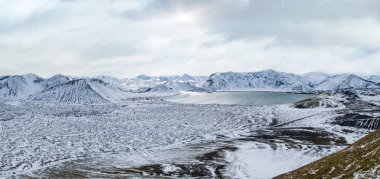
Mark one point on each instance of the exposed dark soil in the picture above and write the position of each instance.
(358, 120)
(208, 165)
(294, 136)
(311, 102)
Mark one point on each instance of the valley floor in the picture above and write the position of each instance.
(152, 137)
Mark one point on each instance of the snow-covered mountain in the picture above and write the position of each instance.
(79, 91)
(143, 83)
(262, 80)
(316, 77)
(339, 82)
(61, 88)
(55, 80)
(374, 78)
(168, 87)
(115, 82)
(20, 86)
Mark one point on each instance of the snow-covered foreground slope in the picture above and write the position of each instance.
(262, 80)
(292, 144)
(339, 82)
(359, 160)
(38, 135)
(260, 160)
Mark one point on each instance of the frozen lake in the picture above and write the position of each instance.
(242, 97)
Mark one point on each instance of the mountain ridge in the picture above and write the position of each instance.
(266, 79)
(347, 81)
(23, 86)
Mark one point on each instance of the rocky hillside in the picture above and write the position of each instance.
(360, 160)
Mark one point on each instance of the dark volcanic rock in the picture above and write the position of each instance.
(358, 120)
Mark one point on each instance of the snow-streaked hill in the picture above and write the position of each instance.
(262, 80)
(80, 91)
(374, 78)
(55, 80)
(20, 86)
(339, 82)
(316, 77)
(168, 87)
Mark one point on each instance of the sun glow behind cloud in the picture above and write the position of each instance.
(185, 17)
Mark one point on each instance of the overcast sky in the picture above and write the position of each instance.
(164, 37)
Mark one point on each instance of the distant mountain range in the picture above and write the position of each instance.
(262, 80)
(374, 78)
(60, 88)
(144, 83)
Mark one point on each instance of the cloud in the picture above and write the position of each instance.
(127, 38)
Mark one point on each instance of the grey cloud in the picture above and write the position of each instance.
(92, 37)
(282, 19)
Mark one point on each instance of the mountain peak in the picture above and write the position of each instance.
(79, 91)
(143, 77)
(345, 81)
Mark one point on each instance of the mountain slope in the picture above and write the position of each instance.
(20, 86)
(106, 90)
(374, 78)
(55, 80)
(316, 77)
(80, 91)
(360, 160)
(339, 82)
(262, 80)
(168, 87)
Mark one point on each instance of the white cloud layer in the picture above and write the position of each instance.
(127, 38)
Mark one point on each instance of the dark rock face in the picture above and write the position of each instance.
(358, 120)
(311, 102)
(294, 136)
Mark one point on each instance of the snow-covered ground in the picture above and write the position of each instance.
(259, 160)
(35, 135)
